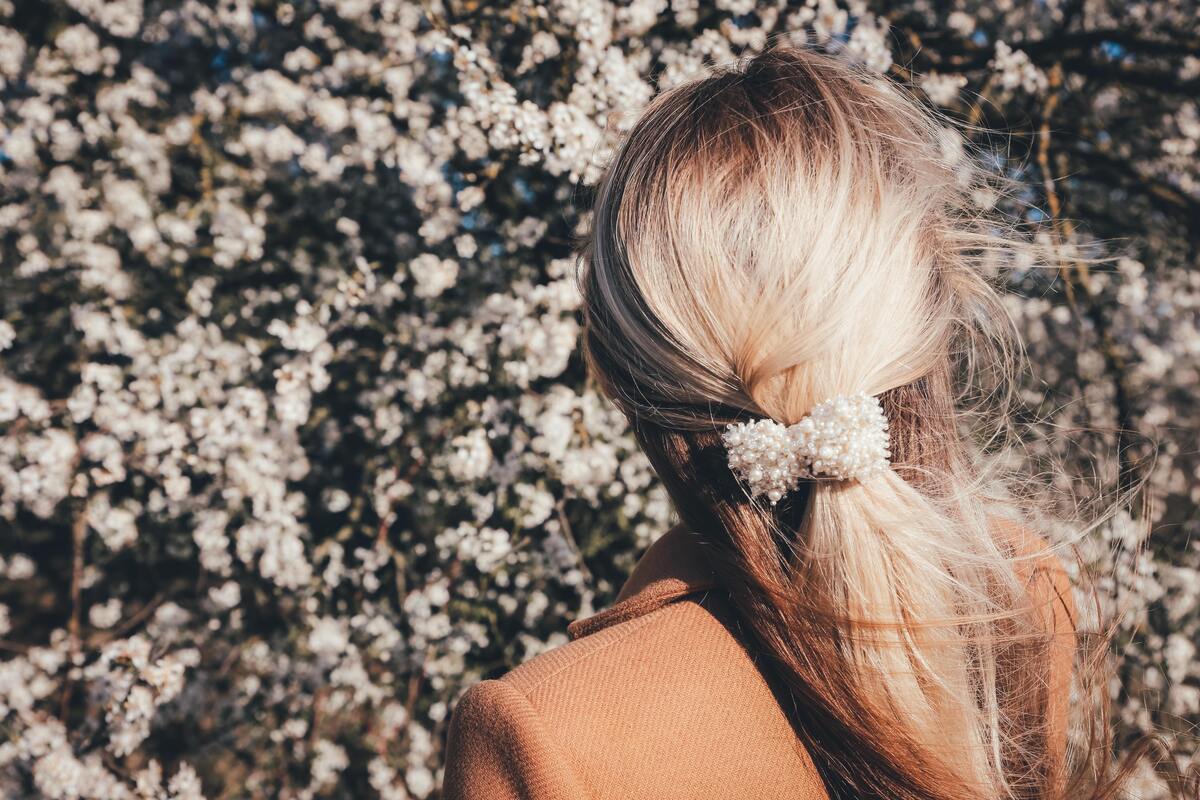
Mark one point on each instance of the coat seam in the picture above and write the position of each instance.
(560, 754)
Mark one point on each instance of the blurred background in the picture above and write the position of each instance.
(295, 443)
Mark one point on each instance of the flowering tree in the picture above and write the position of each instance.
(294, 440)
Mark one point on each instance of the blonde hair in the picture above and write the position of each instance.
(771, 236)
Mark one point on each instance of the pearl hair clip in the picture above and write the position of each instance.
(843, 438)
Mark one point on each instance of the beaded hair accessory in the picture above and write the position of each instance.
(844, 438)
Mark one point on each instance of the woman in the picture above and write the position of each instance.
(783, 293)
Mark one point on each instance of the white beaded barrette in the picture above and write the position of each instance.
(843, 438)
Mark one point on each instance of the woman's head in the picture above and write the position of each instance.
(770, 237)
(777, 235)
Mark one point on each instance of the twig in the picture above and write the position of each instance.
(569, 536)
(75, 622)
(135, 620)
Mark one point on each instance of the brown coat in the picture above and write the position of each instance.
(654, 697)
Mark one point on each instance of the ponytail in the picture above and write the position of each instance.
(861, 616)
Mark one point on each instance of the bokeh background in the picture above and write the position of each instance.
(295, 442)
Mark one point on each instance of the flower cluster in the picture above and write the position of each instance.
(295, 443)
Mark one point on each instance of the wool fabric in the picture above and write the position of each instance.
(656, 697)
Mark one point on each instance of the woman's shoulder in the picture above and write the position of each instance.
(668, 703)
(499, 749)
(1041, 565)
(655, 696)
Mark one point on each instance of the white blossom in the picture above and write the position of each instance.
(290, 380)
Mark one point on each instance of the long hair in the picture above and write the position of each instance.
(768, 237)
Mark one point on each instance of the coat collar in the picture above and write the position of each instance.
(672, 567)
